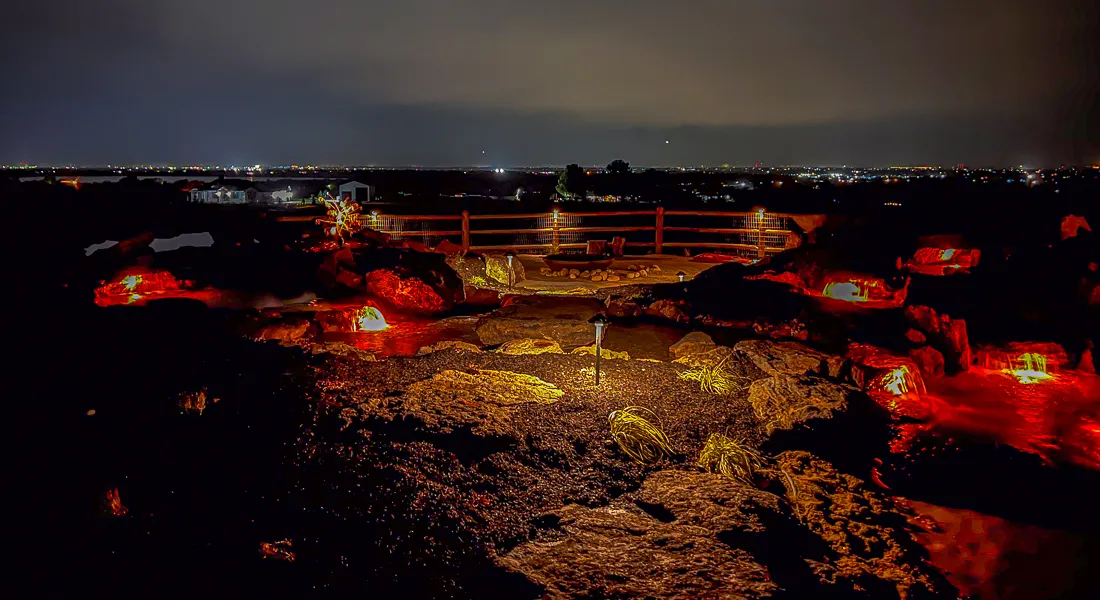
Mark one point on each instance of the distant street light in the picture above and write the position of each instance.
(600, 321)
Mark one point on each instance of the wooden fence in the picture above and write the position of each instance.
(757, 233)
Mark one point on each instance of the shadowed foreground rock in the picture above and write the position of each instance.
(865, 529)
(622, 551)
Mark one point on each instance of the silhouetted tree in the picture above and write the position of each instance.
(571, 182)
(618, 167)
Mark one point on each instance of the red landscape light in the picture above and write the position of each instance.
(368, 318)
(869, 291)
(849, 291)
(942, 261)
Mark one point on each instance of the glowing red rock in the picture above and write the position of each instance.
(405, 294)
(135, 284)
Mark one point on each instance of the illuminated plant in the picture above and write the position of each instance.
(343, 216)
(713, 379)
(724, 456)
(639, 438)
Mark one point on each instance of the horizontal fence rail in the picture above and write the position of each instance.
(755, 233)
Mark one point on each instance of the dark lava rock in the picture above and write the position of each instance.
(563, 320)
(944, 334)
(929, 361)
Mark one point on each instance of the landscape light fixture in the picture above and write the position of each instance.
(600, 321)
(681, 275)
(511, 272)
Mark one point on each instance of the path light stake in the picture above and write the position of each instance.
(600, 321)
(681, 275)
(511, 272)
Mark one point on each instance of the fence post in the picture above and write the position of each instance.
(465, 231)
(659, 237)
(760, 247)
(555, 236)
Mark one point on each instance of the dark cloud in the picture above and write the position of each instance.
(437, 82)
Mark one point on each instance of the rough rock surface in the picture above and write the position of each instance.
(604, 352)
(672, 310)
(710, 358)
(447, 345)
(563, 320)
(783, 401)
(341, 349)
(619, 307)
(527, 346)
(790, 358)
(695, 342)
(621, 551)
(284, 332)
(481, 402)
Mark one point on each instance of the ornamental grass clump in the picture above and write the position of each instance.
(727, 457)
(639, 437)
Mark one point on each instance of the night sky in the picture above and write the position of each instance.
(509, 83)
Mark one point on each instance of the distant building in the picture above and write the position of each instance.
(219, 194)
(267, 193)
(356, 192)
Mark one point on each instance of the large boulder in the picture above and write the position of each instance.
(695, 342)
(783, 401)
(496, 268)
(676, 549)
(563, 320)
(406, 293)
(944, 334)
(790, 358)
